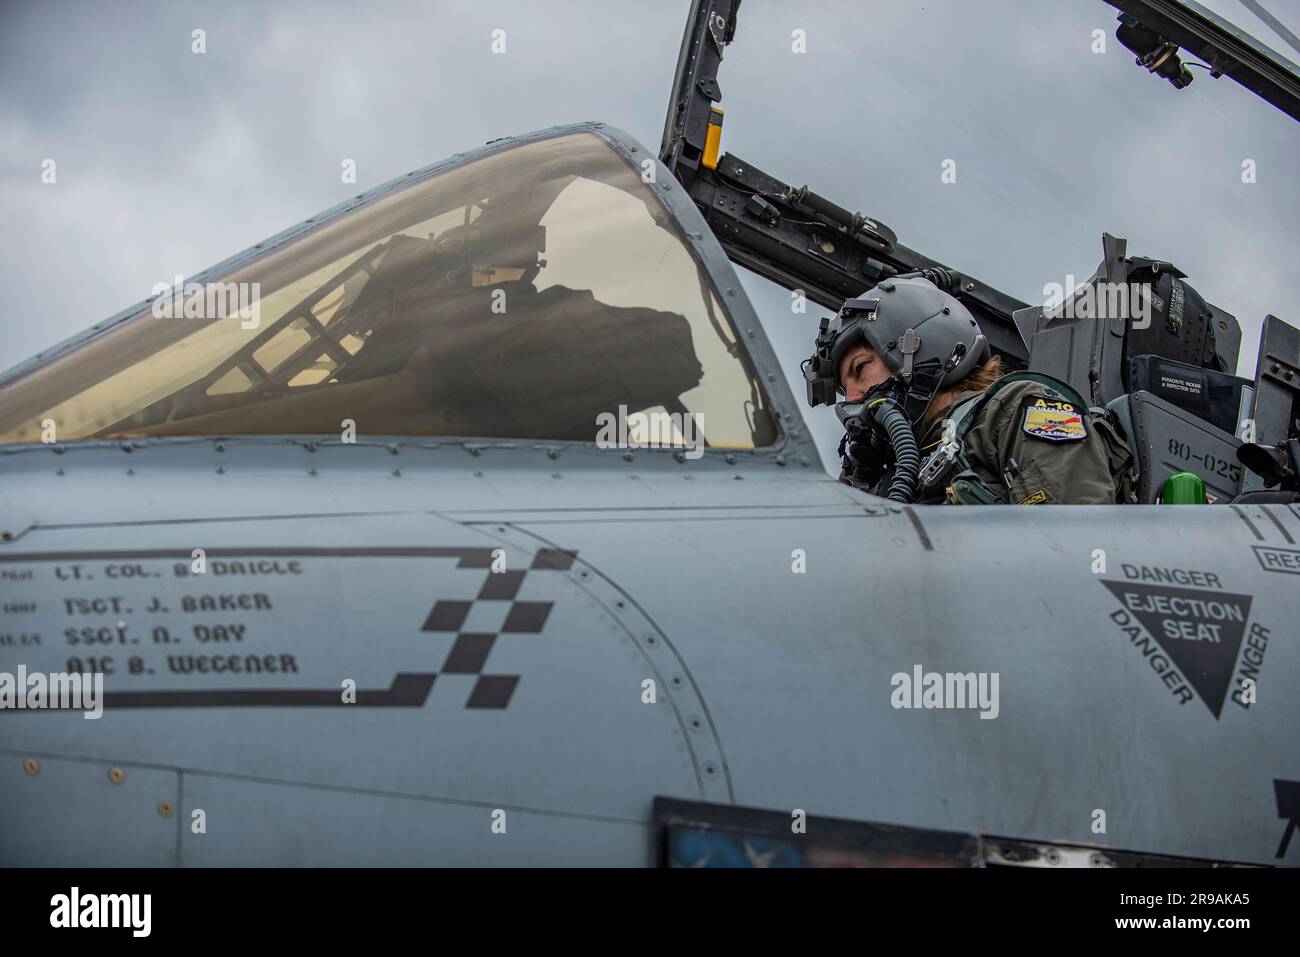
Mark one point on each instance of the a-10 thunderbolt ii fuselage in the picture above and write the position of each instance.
(544, 632)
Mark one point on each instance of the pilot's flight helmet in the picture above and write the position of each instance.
(910, 323)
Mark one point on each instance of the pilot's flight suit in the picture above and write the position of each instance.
(1026, 443)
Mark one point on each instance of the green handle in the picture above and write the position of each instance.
(1183, 488)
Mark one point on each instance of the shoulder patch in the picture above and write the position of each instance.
(1053, 419)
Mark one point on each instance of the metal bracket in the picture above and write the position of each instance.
(718, 31)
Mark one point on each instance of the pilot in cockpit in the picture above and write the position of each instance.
(931, 416)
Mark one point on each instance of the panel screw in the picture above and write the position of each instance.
(731, 458)
(117, 775)
(31, 766)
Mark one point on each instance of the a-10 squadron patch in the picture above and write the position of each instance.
(1053, 419)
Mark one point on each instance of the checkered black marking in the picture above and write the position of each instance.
(470, 649)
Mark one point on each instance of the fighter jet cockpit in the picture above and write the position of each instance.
(325, 557)
(517, 296)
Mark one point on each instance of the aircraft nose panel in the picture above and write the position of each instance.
(457, 667)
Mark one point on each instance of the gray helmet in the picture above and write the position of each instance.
(911, 324)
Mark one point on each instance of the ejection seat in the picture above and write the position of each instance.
(1161, 371)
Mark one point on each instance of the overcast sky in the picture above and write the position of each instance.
(168, 161)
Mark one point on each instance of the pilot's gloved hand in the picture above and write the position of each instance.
(862, 463)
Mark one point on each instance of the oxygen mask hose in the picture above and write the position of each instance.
(907, 454)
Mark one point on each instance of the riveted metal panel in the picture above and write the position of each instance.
(68, 812)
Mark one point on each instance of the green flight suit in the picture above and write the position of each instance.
(1029, 444)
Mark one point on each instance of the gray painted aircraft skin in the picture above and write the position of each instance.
(773, 688)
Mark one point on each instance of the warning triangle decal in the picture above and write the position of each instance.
(1200, 631)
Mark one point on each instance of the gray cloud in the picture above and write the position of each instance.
(169, 161)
